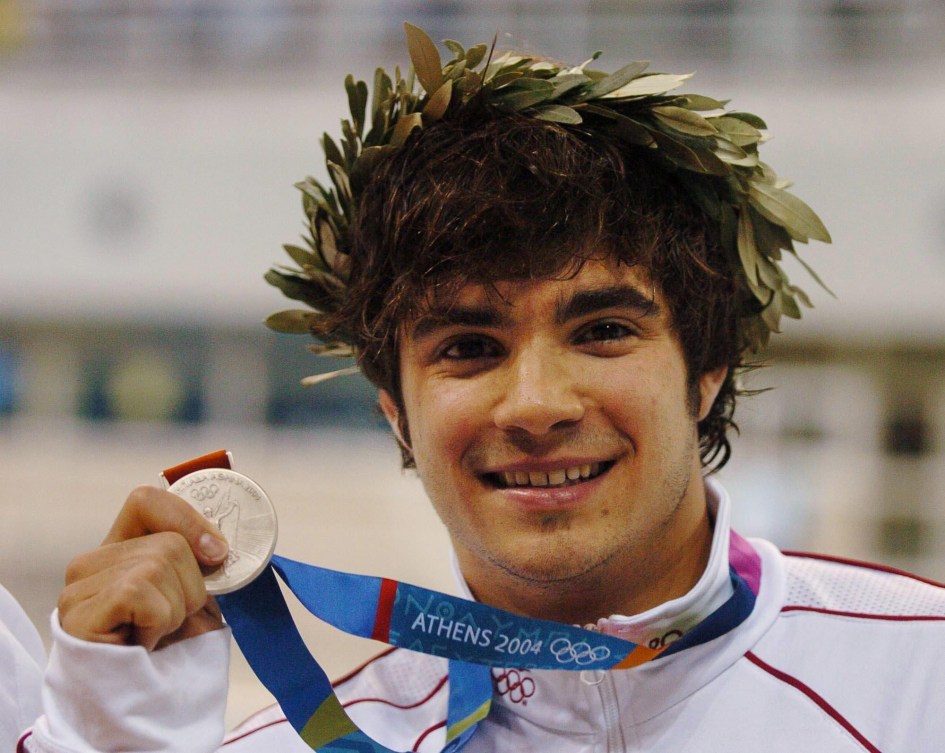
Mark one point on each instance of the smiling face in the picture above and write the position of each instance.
(554, 430)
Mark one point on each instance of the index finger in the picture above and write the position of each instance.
(151, 510)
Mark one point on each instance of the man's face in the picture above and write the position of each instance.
(552, 430)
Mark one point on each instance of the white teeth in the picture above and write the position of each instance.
(538, 478)
(557, 477)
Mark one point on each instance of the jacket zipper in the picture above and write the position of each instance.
(611, 714)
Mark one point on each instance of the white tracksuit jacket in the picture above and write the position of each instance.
(22, 658)
(836, 657)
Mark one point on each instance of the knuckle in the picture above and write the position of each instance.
(64, 603)
(173, 546)
(76, 568)
(140, 496)
(129, 590)
(195, 598)
(152, 569)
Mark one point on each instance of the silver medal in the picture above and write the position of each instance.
(239, 507)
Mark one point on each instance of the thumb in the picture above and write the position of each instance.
(151, 510)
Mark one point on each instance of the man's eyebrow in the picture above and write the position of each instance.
(455, 316)
(617, 296)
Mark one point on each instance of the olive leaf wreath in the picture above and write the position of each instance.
(713, 152)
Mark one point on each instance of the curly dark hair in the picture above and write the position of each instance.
(486, 196)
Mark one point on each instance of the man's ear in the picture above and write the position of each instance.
(391, 413)
(709, 385)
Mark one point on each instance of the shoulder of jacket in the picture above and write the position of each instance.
(848, 587)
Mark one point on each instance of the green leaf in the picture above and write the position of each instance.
(752, 120)
(772, 314)
(475, 55)
(738, 131)
(311, 381)
(424, 57)
(747, 250)
(342, 185)
(455, 47)
(300, 256)
(405, 127)
(789, 305)
(801, 296)
(702, 161)
(613, 82)
(295, 287)
(327, 243)
(366, 164)
(504, 78)
(292, 321)
(558, 114)
(654, 83)
(469, 84)
(762, 294)
(771, 237)
(700, 102)
(684, 121)
(789, 211)
(436, 106)
(812, 273)
(357, 102)
(350, 142)
(332, 153)
(769, 273)
(522, 94)
(734, 155)
(454, 70)
(565, 82)
(312, 189)
(628, 128)
(331, 349)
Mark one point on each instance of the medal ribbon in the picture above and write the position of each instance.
(472, 636)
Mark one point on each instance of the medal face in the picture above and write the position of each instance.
(239, 507)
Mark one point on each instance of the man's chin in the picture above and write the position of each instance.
(551, 574)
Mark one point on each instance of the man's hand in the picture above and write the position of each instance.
(144, 585)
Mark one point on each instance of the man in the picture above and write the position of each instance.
(553, 277)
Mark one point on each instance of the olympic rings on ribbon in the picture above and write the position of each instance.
(579, 653)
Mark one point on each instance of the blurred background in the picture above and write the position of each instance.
(147, 154)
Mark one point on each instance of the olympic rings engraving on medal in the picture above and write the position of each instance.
(580, 653)
(203, 493)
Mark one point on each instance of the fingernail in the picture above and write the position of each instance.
(212, 547)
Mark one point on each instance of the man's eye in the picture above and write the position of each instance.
(470, 348)
(603, 331)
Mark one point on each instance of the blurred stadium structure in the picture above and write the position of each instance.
(147, 154)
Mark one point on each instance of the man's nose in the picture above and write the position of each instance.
(540, 392)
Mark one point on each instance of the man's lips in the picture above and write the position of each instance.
(548, 477)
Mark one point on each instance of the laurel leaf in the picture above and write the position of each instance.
(789, 211)
(424, 57)
(436, 106)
